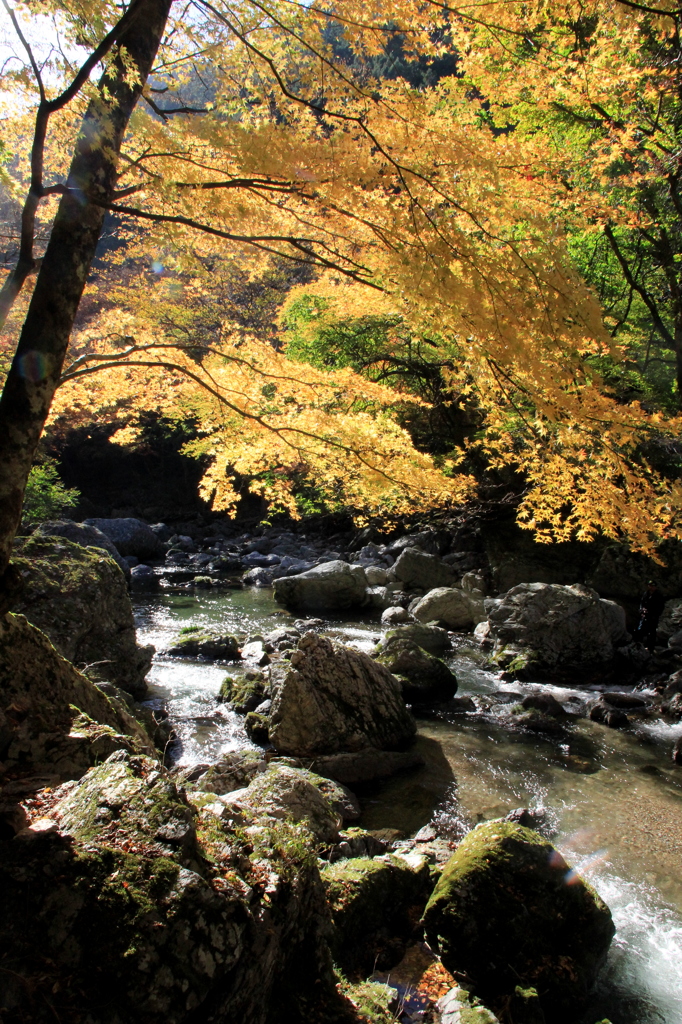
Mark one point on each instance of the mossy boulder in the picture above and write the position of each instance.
(430, 638)
(79, 598)
(295, 795)
(375, 906)
(423, 678)
(52, 718)
(124, 906)
(243, 694)
(257, 728)
(197, 642)
(135, 799)
(509, 911)
(234, 770)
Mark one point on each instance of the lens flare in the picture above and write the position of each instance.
(34, 366)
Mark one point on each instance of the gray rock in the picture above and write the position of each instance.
(255, 560)
(422, 677)
(255, 652)
(432, 638)
(329, 699)
(130, 536)
(305, 625)
(376, 577)
(258, 578)
(342, 800)
(289, 793)
(327, 586)
(528, 817)
(283, 639)
(234, 770)
(86, 536)
(449, 605)
(64, 723)
(544, 702)
(196, 642)
(475, 586)
(180, 919)
(394, 616)
(675, 641)
(626, 701)
(550, 626)
(143, 577)
(162, 531)
(79, 598)
(614, 718)
(378, 597)
(417, 569)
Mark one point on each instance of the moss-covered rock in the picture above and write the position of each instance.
(295, 795)
(374, 1001)
(52, 718)
(126, 907)
(508, 911)
(375, 906)
(458, 1006)
(197, 642)
(243, 694)
(257, 728)
(234, 770)
(422, 677)
(79, 598)
(134, 799)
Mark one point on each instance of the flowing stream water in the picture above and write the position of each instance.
(613, 799)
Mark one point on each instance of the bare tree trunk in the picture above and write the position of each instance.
(37, 365)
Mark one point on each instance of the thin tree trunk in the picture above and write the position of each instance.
(37, 365)
(678, 355)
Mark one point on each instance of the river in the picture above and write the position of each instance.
(613, 799)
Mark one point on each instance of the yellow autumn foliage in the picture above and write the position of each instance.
(401, 201)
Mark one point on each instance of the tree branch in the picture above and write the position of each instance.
(641, 291)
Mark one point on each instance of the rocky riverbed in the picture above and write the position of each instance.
(283, 664)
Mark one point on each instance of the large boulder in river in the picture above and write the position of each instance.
(131, 537)
(123, 905)
(79, 598)
(415, 568)
(52, 718)
(432, 638)
(422, 677)
(331, 698)
(549, 626)
(86, 536)
(509, 911)
(209, 645)
(449, 605)
(327, 586)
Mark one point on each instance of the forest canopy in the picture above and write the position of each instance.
(314, 218)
